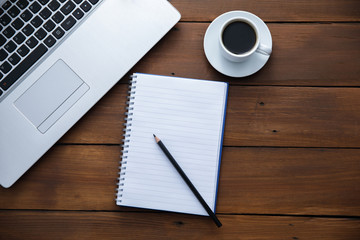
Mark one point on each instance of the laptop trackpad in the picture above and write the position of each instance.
(51, 96)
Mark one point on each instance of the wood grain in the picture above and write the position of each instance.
(272, 10)
(252, 181)
(290, 181)
(290, 166)
(120, 225)
(256, 116)
(300, 117)
(300, 57)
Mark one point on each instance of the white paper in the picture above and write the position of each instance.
(188, 116)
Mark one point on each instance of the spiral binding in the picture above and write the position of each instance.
(126, 139)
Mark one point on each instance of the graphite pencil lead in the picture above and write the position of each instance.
(156, 138)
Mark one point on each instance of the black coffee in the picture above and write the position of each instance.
(239, 37)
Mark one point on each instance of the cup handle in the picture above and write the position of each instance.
(263, 49)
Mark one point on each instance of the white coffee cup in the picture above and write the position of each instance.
(237, 38)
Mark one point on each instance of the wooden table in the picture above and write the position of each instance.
(291, 158)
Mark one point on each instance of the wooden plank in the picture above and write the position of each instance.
(290, 181)
(256, 116)
(300, 57)
(110, 225)
(301, 117)
(272, 10)
(67, 177)
(252, 180)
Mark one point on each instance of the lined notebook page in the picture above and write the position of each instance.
(188, 116)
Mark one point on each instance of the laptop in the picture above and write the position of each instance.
(57, 59)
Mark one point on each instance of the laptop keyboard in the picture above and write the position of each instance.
(30, 28)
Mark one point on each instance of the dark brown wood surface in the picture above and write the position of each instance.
(291, 159)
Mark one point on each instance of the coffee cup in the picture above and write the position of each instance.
(239, 40)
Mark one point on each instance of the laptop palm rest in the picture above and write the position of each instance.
(51, 96)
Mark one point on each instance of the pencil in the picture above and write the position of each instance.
(187, 180)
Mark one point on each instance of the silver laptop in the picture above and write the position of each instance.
(57, 59)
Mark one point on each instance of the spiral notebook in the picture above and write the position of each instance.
(188, 115)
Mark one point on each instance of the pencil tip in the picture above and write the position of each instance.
(156, 138)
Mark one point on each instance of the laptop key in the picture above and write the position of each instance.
(78, 14)
(14, 11)
(14, 59)
(32, 42)
(8, 32)
(10, 46)
(17, 24)
(35, 7)
(50, 41)
(68, 7)
(40, 34)
(68, 23)
(45, 13)
(23, 50)
(58, 32)
(5, 19)
(2, 40)
(22, 4)
(49, 25)
(28, 30)
(58, 17)
(26, 15)
(19, 38)
(3, 54)
(36, 21)
(53, 5)
(6, 5)
(18, 71)
(85, 6)
(5, 67)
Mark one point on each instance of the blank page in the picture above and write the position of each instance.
(188, 116)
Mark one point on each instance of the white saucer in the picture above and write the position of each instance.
(220, 63)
